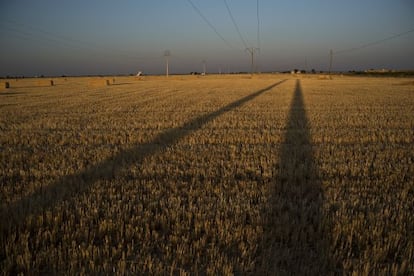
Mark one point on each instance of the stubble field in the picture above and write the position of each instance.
(211, 175)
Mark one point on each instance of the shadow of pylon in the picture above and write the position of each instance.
(296, 237)
(79, 183)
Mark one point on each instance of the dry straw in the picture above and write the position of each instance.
(45, 83)
(99, 82)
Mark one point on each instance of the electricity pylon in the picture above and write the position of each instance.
(204, 67)
(252, 51)
(330, 61)
(167, 55)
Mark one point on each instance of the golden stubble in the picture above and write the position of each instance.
(192, 175)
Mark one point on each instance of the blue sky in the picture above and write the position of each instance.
(74, 37)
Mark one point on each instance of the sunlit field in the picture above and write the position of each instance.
(275, 174)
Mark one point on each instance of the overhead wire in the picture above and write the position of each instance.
(235, 24)
(198, 11)
(372, 43)
(258, 34)
(32, 32)
(27, 35)
(35, 33)
(258, 25)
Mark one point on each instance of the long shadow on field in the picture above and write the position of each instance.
(11, 93)
(76, 184)
(121, 83)
(296, 233)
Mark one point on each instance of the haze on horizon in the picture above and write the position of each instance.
(108, 37)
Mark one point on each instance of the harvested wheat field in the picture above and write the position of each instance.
(211, 175)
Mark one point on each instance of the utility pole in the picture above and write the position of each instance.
(252, 51)
(330, 60)
(204, 67)
(167, 55)
(306, 65)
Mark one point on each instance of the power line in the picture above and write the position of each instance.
(35, 33)
(252, 51)
(39, 37)
(197, 10)
(258, 30)
(167, 55)
(330, 60)
(372, 43)
(235, 24)
(258, 25)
